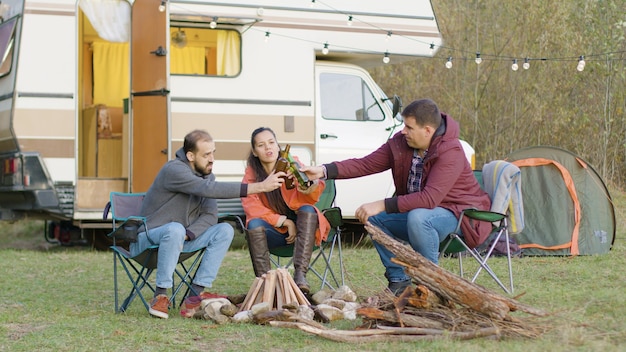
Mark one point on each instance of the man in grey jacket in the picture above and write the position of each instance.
(181, 212)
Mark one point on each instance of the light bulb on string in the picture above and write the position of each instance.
(267, 37)
(515, 66)
(449, 62)
(581, 63)
(386, 58)
(432, 48)
(325, 49)
(478, 59)
(388, 36)
(350, 20)
(213, 23)
(312, 3)
(162, 6)
(526, 64)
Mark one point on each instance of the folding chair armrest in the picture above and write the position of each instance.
(483, 215)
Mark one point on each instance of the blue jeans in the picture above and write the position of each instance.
(275, 238)
(171, 240)
(422, 228)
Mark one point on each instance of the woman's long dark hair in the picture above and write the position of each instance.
(275, 198)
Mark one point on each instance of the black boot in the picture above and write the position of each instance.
(306, 225)
(259, 253)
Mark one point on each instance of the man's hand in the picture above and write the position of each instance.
(291, 231)
(369, 209)
(271, 182)
(313, 172)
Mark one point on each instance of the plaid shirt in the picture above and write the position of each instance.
(414, 183)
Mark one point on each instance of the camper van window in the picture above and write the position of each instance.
(347, 97)
(7, 37)
(204, 51)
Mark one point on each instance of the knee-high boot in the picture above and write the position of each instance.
(306, 225)
(259, 253)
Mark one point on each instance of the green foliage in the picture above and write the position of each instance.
(549, 104)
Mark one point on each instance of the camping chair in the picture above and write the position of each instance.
(326, 249)
(125, 209)
(501, 180)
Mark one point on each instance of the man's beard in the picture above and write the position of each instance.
(202, 170)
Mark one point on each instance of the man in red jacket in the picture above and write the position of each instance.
(434, 182)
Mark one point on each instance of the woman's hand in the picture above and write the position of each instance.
(291, 231)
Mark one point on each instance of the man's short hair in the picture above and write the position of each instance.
(192, 138)
(424, 111)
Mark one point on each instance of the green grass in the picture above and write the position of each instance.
(61, 299)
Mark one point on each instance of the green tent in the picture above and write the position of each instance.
(567, 208)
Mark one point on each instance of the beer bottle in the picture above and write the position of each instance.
(302, 178)
(282, 164)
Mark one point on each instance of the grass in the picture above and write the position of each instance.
(61, 299)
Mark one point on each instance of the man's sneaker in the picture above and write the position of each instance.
(192, 303)
(398, 287)
(159, 306)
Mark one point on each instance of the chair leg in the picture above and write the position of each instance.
(482, 260)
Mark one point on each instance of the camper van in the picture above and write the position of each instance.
(95, 96)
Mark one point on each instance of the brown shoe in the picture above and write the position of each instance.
(159, 306)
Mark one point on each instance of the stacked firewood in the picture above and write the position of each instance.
(277, 288)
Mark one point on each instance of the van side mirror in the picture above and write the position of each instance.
(397, 106)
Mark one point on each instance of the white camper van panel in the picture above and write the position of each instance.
(101, 93)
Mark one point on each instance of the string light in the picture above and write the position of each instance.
(581, 63)
(478, 59)
(325, 49)
(386, 58)
(213, 23)
(162, 6)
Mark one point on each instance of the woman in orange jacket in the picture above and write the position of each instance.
(283, 216)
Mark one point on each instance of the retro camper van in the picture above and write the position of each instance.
(95, 96)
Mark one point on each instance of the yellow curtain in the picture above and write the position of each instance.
(228, 53)
(187, 60)
(111, 76)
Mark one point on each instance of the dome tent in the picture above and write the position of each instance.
(567, 208)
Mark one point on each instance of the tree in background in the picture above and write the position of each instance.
(551, 102)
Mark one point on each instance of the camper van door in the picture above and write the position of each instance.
(351, 122)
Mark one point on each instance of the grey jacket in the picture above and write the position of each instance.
(180, 194)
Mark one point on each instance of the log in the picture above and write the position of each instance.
(373, 335)
(448, 285)
(401, 318)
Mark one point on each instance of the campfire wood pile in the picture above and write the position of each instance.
(443, 305)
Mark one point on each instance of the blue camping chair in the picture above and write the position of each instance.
(125, 209)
